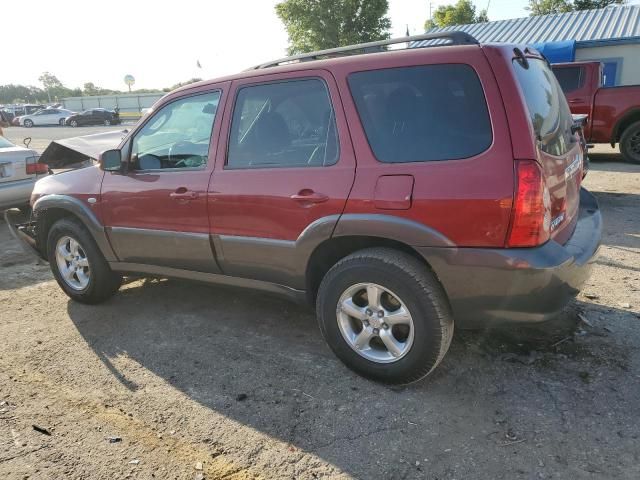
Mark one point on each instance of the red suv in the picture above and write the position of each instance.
(394, 190)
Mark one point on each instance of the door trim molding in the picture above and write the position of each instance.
(298, 296)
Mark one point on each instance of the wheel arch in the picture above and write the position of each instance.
(621, 125)
(51, 208)
(334, 249)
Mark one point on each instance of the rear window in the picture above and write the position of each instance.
(423, 113)
(569, 78)
(547, 105)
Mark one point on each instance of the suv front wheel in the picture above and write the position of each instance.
(78, 265)
(385, 315)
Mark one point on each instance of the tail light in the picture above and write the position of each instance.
(35, 168)
(531, 211)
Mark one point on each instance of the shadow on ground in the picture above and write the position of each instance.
(218, 344)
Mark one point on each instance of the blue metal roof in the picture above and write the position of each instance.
(600, 26)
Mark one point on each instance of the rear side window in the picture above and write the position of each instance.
(286, 124)
(570, 78)
(547, 105)
(423, 113)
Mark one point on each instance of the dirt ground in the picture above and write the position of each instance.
(169, 377)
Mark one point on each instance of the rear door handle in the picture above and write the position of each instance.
(309, 196)
(183, 194)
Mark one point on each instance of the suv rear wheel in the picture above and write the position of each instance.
(385, 315)
(630, 143)
(78, 265)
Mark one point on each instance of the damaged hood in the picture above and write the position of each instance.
(78, 152)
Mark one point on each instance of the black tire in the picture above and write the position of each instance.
(103, 282)
(416, 287)
(61, 122)
(107, 122)
(28, 123)
(630, 143)
(73, 123)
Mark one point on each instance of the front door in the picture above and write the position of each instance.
(156, 214)
(288, 163)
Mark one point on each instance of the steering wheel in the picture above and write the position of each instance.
(176, 147)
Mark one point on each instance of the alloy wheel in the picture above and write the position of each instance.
(73, 263)
(375, 322)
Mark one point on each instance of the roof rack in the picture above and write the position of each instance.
(455, 38)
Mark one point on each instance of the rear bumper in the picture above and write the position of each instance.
(16, 193)
(520, 284)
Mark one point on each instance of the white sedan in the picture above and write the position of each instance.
(48, 116)
(19, 170)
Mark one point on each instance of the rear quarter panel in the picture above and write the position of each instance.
(467, 200)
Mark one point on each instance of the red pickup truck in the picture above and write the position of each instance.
(614, 112)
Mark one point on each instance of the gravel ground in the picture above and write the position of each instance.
(240, 384)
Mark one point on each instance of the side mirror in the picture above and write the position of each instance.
(111, 161)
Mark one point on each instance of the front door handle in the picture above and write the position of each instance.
(183, 194)
(308, 196)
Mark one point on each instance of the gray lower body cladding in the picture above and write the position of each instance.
(484, 285)
(521, 284)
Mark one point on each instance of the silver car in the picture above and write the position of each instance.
(19, 171)
(48, 116)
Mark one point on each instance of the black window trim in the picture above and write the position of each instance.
(484, 94)
(129, 142)
(226, 165)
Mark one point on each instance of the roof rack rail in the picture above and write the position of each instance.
(455, 38)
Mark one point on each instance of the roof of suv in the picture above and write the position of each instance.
(335, 56)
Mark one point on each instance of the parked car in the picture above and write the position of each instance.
(24, 109)
(48, 116)
(8, 116)
(614, 112)
(95, 116)
(395, 191)
(19, 171)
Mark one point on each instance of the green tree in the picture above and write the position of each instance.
(50, 82)
(591, 4)
(462, 13)
(546, 7)
(10, 93)
(320, 24)
(89, 88)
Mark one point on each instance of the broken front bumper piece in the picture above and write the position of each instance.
(24, 231)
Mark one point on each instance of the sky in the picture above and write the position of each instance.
(101, 41)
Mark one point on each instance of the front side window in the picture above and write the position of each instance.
(422, 113)
(178, 135)
(548, 108)
(287, 124)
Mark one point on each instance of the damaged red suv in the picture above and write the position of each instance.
(398, 191)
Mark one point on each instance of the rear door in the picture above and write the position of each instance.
(558, 150)
(288, 162)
